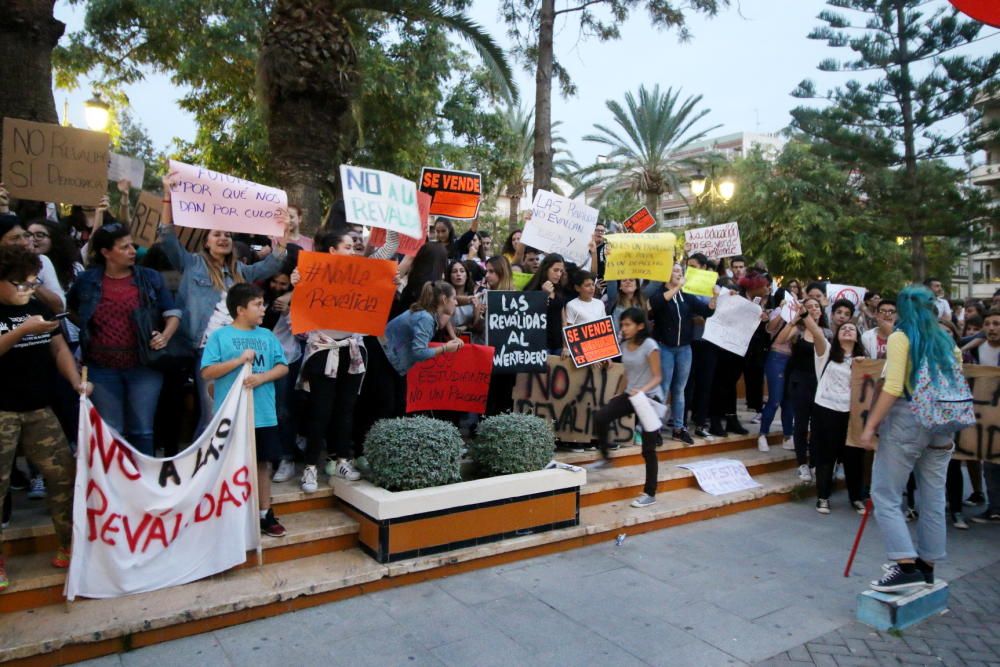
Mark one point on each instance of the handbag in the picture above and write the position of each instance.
(147, 319)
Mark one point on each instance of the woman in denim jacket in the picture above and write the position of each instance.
(205, 280)
(102, 301)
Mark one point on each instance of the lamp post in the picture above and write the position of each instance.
(708, 188)
(97, 113)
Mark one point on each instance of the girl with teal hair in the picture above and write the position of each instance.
(905, 446)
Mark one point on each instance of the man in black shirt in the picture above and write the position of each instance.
(31, 347)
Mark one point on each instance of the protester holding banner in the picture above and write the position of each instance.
(832, 410)
(32, 349)
(206, 277)
(641, 359)
(108, 301)
(673, 314)
(548, 279)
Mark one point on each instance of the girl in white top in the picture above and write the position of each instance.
(832, 411)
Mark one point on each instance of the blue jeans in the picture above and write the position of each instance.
(675, 365)
(774, 370)
(905, 447)
(126, 399)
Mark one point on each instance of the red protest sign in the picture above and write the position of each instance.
(639, 222)
(407, 244)
(342, 292)
(451, 381)
(591, 342)
(455, 194)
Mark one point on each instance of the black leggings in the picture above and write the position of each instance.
(728, 369)
(802, 386)
(830, 441)
(331, 406)
(619, 407)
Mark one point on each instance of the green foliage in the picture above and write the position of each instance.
(413, 453)
(618, 205)
(511, 443)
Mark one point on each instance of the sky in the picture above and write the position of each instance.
(744, 62)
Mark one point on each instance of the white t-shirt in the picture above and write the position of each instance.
(834, 389)
(50, 280)
(989, 355)
(943, 308)
(579, 312)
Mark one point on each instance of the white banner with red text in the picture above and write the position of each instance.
(141, 523)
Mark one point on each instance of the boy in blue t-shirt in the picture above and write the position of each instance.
(225, 353)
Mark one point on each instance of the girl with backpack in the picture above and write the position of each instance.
(923, 366)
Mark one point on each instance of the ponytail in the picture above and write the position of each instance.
(430, 295)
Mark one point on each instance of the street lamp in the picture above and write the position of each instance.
(97, 113)
(709, 188)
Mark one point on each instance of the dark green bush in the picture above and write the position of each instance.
(413, 453)
(513, 442)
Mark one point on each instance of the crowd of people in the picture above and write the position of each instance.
(163, 332)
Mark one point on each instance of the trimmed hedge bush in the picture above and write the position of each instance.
(511, 443)
(413, 453)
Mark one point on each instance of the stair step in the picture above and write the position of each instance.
(669, 450)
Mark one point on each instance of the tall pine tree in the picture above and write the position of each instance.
(908, 115)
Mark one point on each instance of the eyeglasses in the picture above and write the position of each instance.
(39, 235)
(886, 312)
(25, 286)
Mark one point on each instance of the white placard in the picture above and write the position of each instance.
(721, 476)
(852, 293)
(787, 311)
(646, 412)
(559, 224)
(715, 241)
(733, 324)
(123, 166)
(379, 199)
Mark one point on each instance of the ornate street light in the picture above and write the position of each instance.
(97, 113)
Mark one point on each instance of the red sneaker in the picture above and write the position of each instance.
(270, 526)
(61, 559)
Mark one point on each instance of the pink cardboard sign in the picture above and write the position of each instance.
(206, 199)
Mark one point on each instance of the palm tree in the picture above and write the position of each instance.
(307, 74)
(643, 149)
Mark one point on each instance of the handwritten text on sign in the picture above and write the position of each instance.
(343, 292)
(560, 225)
(591, 342)
(570, 396)
(865, 376)
(140, 524)
(47, 162)
(715, 241)
(639, 221)
(408, 245)
(451, 381)
(515, 327)
(455, 194)
(733, 324)
(380, 199)
(721, 476)
(146, 219)
(640, 256)
(206, 199)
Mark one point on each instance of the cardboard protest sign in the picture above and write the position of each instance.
(716, 241)
(206, 199)
(456, 381)
(639, 222)
(408, 245)
(865, 388)
(980, 442)
(569, 397)
(640, 256)
(699, 281)
(343, 292)
(130, 168)
(45, 162)
(142, 523)
(519, 279)
(853, 294)
(733, 324)
(559, 224)
(515, 327)
(145, 219)
(591, 342)
(454, 194)
(379, 199)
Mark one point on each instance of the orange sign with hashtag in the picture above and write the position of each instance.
(342, 292)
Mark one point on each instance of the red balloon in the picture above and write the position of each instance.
(987, 11)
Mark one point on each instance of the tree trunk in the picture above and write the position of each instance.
(653, 204)
(28, 33)
(918, 254)
(543, 99)
(512, 216)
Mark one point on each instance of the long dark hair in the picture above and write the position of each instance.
(637, 315)
(541, 275)
(429, 264)
(508, 244)
(468, 288)
(837, 352)
(62, 251)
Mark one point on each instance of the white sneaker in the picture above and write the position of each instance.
(36, 489)
(762, 444)
(330, 467)
(347, 471)
(285, 471)
(838, 472)
(756, 418)
(309, 479)
(788, 444)
(804, 473)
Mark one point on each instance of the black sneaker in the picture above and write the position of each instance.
(682, 435)
(975, 499)
(717, 429)
(927, 574)
(18, 480)
(733, 425)
(702, 432)
(987, 517)
(897, 581)
(270, 526)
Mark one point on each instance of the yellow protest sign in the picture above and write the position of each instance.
(699, 281)
(520, 279)
(640, 256)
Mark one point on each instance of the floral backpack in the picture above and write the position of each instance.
(943, 406)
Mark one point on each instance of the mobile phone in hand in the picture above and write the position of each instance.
(58, 317)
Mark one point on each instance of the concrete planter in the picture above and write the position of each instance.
(406, 524)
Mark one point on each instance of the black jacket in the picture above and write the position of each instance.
(673, 320)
